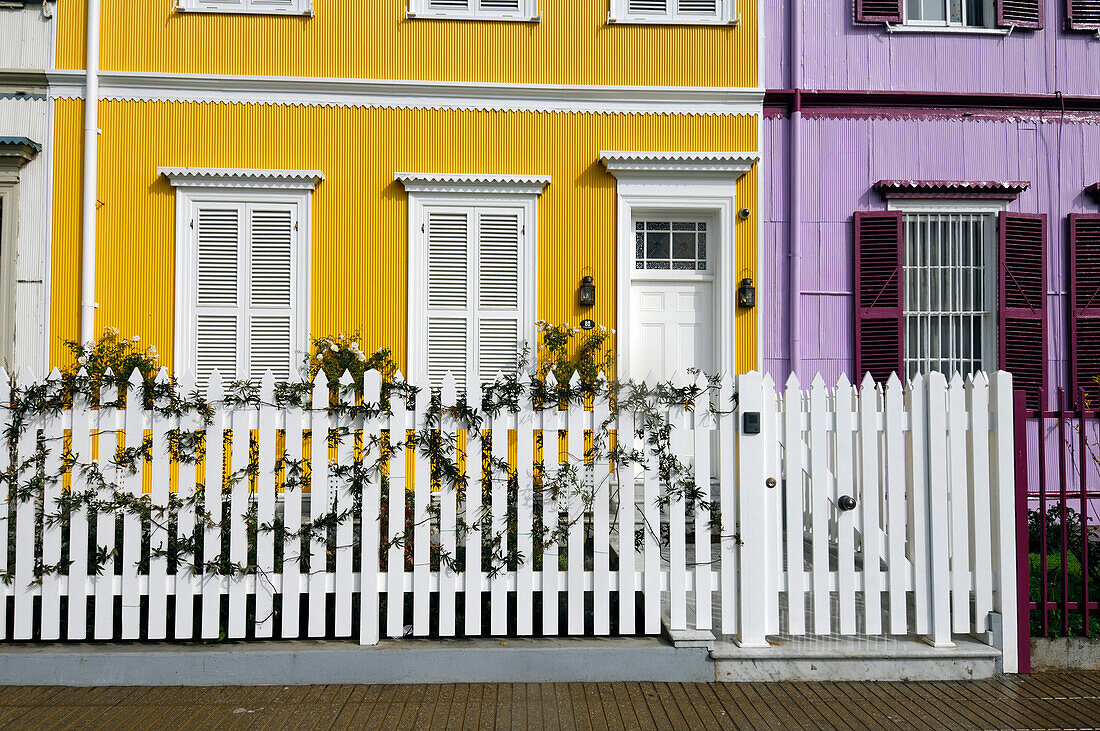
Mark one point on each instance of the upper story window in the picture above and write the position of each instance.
(259, 7)
(951, 13)
(684, 12)
(522, 10)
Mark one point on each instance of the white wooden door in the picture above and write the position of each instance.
(671, 298)
(673, 327)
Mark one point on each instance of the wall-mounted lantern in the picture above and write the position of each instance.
(586, 293)
(746, 293)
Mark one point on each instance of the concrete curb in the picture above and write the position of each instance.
(325, 662)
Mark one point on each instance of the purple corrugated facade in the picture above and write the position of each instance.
(847, 141)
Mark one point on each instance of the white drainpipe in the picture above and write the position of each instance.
(91, 161)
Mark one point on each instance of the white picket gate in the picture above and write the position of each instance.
(769, 542)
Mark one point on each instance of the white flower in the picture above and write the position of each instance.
(135, 339)
(152, 349)
(612, 331)
(361, 357)
(333, 348)
(82, 360)
(320, 356)
(340, 336)
(154, 356)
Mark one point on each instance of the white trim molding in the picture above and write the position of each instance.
(527, 11)
(427, 191)
(411, 94)
(725, 13)
(690, 163)
(245, 7)
(242, 178)
(462, 184)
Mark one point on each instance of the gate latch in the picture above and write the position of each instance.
(751, 422)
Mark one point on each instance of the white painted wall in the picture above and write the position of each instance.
(27, 117)
(25, 36)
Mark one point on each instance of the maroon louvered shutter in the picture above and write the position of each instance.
(1020, 13)
(878, 11)
(1084, 297)
(878, 294)
(1083, 14)
(1023, 286)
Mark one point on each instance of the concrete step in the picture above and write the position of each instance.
(853, 659)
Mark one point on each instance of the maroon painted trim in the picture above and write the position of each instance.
(1008, 22)
(1094, 191)
(1005, 190)
(879, 11)
(1035, 310)
(1076, 314)
(1087, 9)
(1023, 557)
(868, 101)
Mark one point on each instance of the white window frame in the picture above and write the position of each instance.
(620, 13)
(427, 191)
(684, 184)
(948, 26)
(247, 7)
(675, 215)
(528, 11)
(993, 208)
(198, 186)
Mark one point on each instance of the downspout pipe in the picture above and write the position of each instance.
(794, 254)
(91, 164)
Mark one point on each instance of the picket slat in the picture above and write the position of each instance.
(239, 496)
(421, 543)
(395, 559)
(916, 401)
(704, 420)
(448, 509)
(371, 449)
(981, 539)
(752, 528)
(184, 603)
(895, 506)
(475, 474)
(938, 516)
(820, 488)
(770, 419)
(53, 428)
(551, 578)
(677, 512)
(846, 520)
(625, 477)
(293, 553)
(319, 506)
(265, 509)
(575, 513)
(871, 526)
(498, 589)
(525, 518)
(343, 503)
(5, 491)
(959, 496)
(213, 492)
(26, 468)
(78, 532)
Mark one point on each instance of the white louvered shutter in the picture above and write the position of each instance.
(705, 8)
(449, 316)
(499, 299)
(449, 4)
(648, 7)
(271, 291)
(218, 234)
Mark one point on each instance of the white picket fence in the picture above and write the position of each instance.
(928, 548)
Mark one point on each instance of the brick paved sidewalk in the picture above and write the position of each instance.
(1042, 700)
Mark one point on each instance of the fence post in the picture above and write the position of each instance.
(751, 509)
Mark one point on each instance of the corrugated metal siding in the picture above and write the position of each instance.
(844, 157)
(27, 117)
(571, 44)
(839, 54)
(359, 270)
(24, 38)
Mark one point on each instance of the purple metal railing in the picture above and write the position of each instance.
(1057, 519)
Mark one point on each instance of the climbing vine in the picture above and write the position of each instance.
(59, 480)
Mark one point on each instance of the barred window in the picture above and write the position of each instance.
(672, 245)
(950, 297)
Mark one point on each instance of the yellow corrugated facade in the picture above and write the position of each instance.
(359, 236)
(372, 39)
